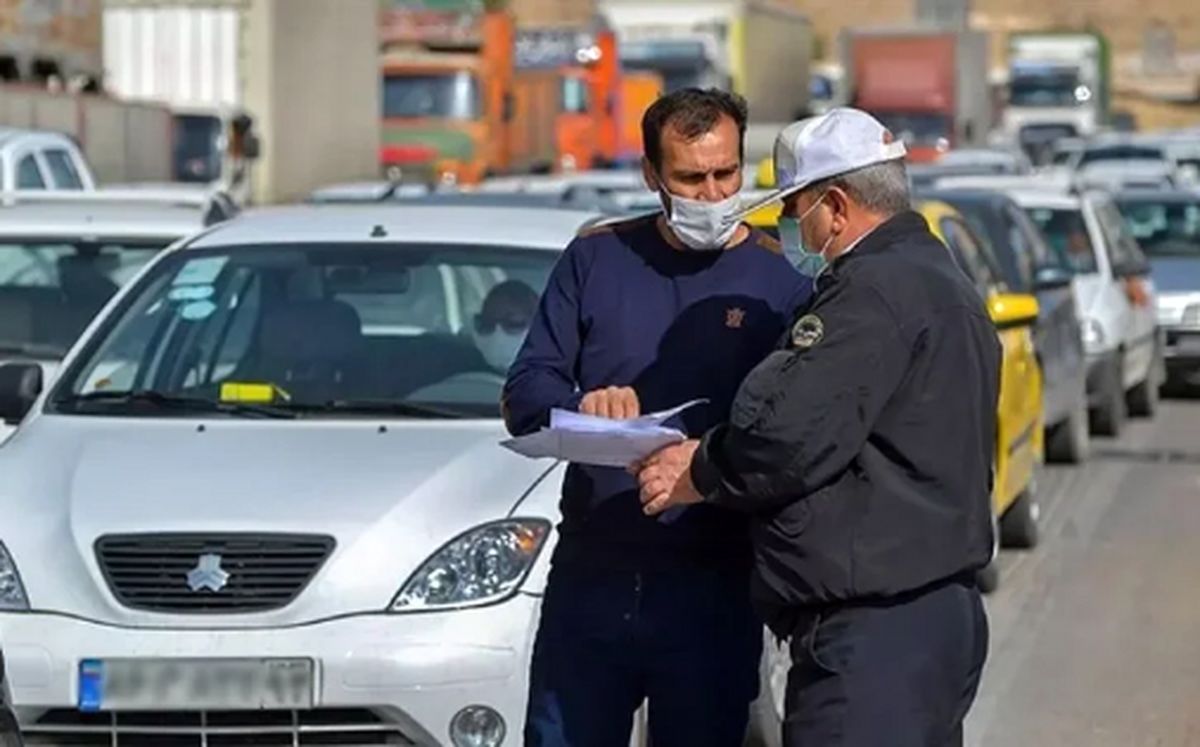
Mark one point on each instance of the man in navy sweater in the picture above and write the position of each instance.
(641, 316)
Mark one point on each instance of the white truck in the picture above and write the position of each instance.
(1059, 86)
(197, 72)
(758, 48)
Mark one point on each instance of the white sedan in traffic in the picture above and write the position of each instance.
(263, 498)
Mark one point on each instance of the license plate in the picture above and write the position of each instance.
(195, 684)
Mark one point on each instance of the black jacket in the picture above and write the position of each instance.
(863, 446)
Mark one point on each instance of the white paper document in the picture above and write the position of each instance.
(587, 439)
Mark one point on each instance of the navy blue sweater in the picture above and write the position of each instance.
(624, 308)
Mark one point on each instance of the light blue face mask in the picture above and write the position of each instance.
(807, 262)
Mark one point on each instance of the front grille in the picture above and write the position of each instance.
(254, 572)
(327, 726)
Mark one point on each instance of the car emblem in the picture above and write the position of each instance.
(208, 574)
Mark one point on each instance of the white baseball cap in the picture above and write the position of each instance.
(837, 142)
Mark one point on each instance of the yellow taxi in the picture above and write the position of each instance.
(1019, 437)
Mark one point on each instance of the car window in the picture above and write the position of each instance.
(1164, 228)
(1124, 252)
(324, 323)
(29, 174)
(575, 98)
(62, 169)
(50, 291)
(1067, 235)
(971, 255)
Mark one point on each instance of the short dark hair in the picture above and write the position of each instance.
(692, 112)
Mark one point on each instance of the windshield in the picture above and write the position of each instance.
(197, 148)
(444, 95)
(1048, 88)
(916, 128)
(1122, 153)
(378, 327)
(1164, 229)
(50, 291)
(1067, 234)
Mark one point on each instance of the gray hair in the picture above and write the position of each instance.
(880, 188)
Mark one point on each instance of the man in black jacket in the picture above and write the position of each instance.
(862, 448)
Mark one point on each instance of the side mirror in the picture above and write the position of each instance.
(20, 385)
(1051, 277)
(1013, 309)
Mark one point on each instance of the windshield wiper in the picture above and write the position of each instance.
(173, 402)
(378, 407)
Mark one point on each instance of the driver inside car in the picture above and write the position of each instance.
(497, 331)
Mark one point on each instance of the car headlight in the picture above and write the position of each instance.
(1191, 315)
(12, 591)
(482, 566)
(1093, 333)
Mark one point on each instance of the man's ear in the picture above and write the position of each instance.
(839, 204)
(650, 175)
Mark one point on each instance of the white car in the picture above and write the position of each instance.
(64, 255)
(1115, 297)
(41, 160)
(265, 498)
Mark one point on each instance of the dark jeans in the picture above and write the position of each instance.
(686, 640)
(901, 674)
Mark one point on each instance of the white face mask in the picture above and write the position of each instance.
(703, 226)
(500, 348)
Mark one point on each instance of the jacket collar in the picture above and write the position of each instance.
(900, 227)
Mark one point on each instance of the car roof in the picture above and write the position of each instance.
(1006, 183)
(396, 222)
(107, 219)
(966, 196)
(10, 135)
(1181, 196)
(1044, 198)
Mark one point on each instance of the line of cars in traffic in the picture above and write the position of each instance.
(253, 489)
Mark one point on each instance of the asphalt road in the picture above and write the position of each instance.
(1096, 633)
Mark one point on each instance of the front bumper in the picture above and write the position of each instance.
(413, 671)
(1181, 348)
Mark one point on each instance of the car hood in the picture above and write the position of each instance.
(390, 494)
(1176, 274)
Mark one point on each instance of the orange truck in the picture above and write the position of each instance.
(928, 86)
(639, 89)
(455, 108)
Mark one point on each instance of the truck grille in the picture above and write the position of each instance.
(68, 728)
(198, 573)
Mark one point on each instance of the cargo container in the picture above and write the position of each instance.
(758, 48)
(929, 87)
(187, 56)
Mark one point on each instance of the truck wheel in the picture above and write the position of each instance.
(1108, 418)
(1143, 398)
(767, 711)
(1019, 525)
(1068, 442)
